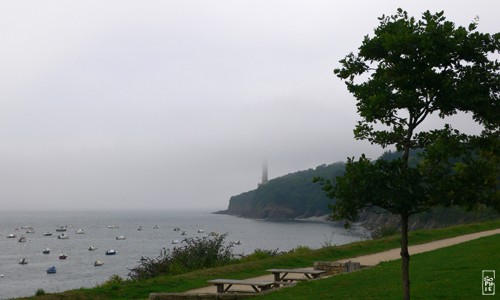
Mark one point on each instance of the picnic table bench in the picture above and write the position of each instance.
(258, 286)
(280, 274)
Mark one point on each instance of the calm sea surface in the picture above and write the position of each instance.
(78, 269)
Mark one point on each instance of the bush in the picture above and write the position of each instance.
(197, 253)
(261, 254)
(114, 281)
(40, 292)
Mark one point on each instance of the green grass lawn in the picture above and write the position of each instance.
(448, 273)
(388, 284)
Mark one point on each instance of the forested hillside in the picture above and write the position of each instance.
(286, 197)
(296, 196)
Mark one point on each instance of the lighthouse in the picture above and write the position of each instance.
(264, 173)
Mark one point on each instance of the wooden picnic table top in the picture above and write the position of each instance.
(301, 271)
(240, 281)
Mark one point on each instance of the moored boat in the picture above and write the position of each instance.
(23, 261)
(80, 231)
(61, 229)
(98, 263)
(110, 252)
(47, 234)
(11, 236)
(121, 237)
(63, 236)
(63, 256)
(46, 251)
(22, 239)
(92, 248)
(113, 226)
(51, 270)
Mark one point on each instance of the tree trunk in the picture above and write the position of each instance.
(405, 258)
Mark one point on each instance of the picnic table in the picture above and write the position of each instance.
(258, 286)
(280, 274)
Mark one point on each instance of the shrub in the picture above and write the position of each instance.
(114, 281)
(197, 253)
(40, 292)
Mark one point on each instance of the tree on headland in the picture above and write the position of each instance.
(408, 71)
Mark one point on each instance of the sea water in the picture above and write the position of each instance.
(157, 234)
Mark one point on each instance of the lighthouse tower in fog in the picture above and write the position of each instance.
(264, 173)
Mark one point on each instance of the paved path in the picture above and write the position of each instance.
(376, 258)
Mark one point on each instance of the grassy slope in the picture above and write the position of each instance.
(179, 283)
(448, 273)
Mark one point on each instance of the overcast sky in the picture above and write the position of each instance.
(175, 104)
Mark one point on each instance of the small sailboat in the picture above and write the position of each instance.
(23, 261)
(51, 270)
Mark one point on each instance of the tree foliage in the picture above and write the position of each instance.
(407, 71)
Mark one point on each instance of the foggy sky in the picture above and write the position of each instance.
(176, 104)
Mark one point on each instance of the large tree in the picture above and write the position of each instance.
(408, 71)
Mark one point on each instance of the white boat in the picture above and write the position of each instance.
(80, 231)
(22, 239)
(61, 229)
(175, 242)
(120, 237)
(110, 252)
(92, 248)
(63, 256)
(11, 236)
(113, 226)
(23, 261)
(98, 263)
(63, 236)
(47, 234)
(177, 229)
(31, 230)
(183, 233)
(201, 231)
(46, 251)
